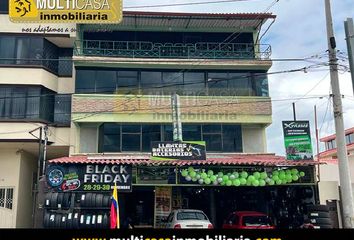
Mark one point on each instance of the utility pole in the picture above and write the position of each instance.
(45, 129)
(349, 36)
(176, 118)
(344, 174)
(294, 111)
(317, 145)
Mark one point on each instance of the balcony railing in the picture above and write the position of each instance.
(200, 50)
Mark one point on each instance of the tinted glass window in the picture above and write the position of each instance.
(240, 84)
(128, 81)
(110, 139)
(213, 142)
(191, 132)
(85, 81)
(4, 6)
(150, 133)
(62, 109)
(7, 49)
(106, 81)
(194, 83)
(256, 221)
(130, 142)
(131, 128)
(191, 216)
(232, 138)
(217, 82)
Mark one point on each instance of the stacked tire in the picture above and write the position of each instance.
(319, 216)
(57, 200)
(95, 200)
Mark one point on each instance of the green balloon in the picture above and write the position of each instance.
(213, 178)
(256, 175)
(295, 178)
(193, 174)
(264, 175)
(271, 182)
(236, 182)
(262, 183)
(267, 180)
(302, 174)
(198, 176)
(284, 181)
(225, 178)
(184, 173)
(244, 174)
(275, 177)
(282, 175)
(278, 182)
(275, 173)
(289, 180)
(294, 171)
(287, 172)
(207, 181)
(251, 178)
(222, 183)
(255, 183)
(220, 174)
(228, 183)
(232, 177)
(236, 174)
(243, 181)
(289, 177)
(203, 175)
(210, 172)
(194, 179)
(190, 169)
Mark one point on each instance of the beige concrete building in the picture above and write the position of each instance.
(329, 185)
(33, 93)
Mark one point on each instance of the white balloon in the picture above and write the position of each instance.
(215, 182)
(220, 180)
(232, 177)
(201, 181)
(188, 178)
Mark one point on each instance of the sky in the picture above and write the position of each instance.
(298, 32)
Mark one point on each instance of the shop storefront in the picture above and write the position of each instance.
(79, 188)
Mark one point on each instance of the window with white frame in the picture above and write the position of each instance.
(6, 198)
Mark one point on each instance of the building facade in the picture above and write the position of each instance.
(106, 108)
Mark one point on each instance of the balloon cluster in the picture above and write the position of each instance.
(234, 178)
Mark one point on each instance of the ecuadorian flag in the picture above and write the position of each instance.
(115, 223)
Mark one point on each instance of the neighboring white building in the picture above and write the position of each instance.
(329, 185)
(33, 93)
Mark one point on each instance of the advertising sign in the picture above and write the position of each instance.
(297, 139)
(65, 11)
(95, 177)
(185, 150)
(162, 204)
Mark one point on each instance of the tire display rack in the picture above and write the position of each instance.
(319, 216)
(76, 210)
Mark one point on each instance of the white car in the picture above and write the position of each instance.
(187, 218)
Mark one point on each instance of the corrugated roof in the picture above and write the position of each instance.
(222, 159)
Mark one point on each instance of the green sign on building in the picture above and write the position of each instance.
(297, 139)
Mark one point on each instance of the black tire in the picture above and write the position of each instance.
(317, 208)
(69, 222)
(94, 221)
(99, 221)
(46, 220)
(82, 221)
(54, 201)
(321, 221)
(76, 220)
(88, 221)
(88, 199)
(63, 221)
(60, 200)
(93, 200)
(57, 220)
(66, 201)
(319, 215)
(51, 221)
(99, 200)
(105, 221)
(83, 200)
(106, 201)
(47, 199)
(324, 226)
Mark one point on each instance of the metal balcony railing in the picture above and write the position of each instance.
(200, 50)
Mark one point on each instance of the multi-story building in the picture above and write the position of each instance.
(35, 90)
(329, 185)
(122, 79)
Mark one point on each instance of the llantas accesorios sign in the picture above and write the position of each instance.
(66, 11)
(99, 177)
(184, 150)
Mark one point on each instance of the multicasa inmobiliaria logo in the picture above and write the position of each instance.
(65, 11)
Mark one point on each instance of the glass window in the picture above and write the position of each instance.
(172, 81)
(213, 142)
(191, 132)
(232, 138)
(2, 197)
(33, 102)
(4, 6)
(106, 81)
(22, 50)
(109, 140)
(9, 198)
(260, 84)
(7, 49)
(150, 133)
(189, 215)
(18, 103)
(150, 81)
(131, 128)
(131, 137)
(85, 81)
(212, 128)
(65, 65)
(167, 132)
(240, 84)
(127, 81)
(5, 101)
(194, 83)
(62, 109)
(217, 82)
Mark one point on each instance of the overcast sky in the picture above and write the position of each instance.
(299, 31)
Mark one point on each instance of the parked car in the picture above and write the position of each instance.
(248, 220)
(187, 218)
